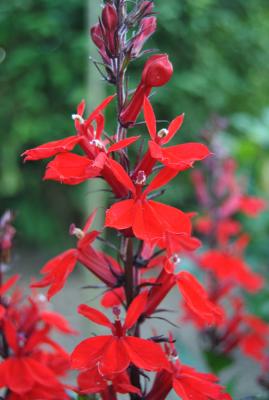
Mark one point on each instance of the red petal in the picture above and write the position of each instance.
(18, 378)
(120, 215)
(150, 118)
(197, 300)
(145, 354)
(135, 309)
(161, 179)
(172, 219)
(120, 174)
(56, 320)
(51, 149)
(81, 108)
(11, 335)
(89, 352)
(115, 358)
(122, 143)
(174, 126)
(99, 108)
(183, 156)
(89, 221)
(8, 284)
(71, 169)
(57, 270)
(2, 312)
(94, 315)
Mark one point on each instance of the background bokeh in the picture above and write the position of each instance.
(220, 53)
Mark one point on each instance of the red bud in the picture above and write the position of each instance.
(110, 18)
(157, 70)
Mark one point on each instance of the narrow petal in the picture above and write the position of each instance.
(51, 149)
(161, 179)
(174, 126)
(94, 315)
(122, 144)
(150, 118)
(100, 108)
(8, 284)
(120, 174)
(135, 309)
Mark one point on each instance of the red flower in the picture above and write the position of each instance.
(188, 383)
(149, 220)
(252, 206)
(231, 268)
(157, 72)
(179, 157)
(22, 372)
(58, 269)
(114, 353)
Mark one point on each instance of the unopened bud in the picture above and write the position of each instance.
(110, 18)
(157, 70)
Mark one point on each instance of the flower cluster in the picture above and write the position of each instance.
(31, 362)
(223, 197)
(146, 264)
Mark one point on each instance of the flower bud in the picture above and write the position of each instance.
(110, 18)
(96, 35)
(157, 70)
(146, 29)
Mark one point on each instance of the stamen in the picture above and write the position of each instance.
(141, 178)
(73, 230)
(97, 143)
(116, 312)
(175, 259)
(162, 133)
(79, 117)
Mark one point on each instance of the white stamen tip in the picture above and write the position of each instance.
(79, 117)
(162, 133)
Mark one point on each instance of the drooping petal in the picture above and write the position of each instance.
(73, 169)
(51, 149)
(197, 300)
(120, 215)
(89, 352)
(135, 309)
(56, 271)
(145, 354)
(150, 118)
(18, 378)
(94, 315)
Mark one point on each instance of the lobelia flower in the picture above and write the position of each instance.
(157, 72)
(146, 29)
(179, 157)
(114, 353)
(252, 206)
(58, 269)
(188, 383)
(148, 219)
